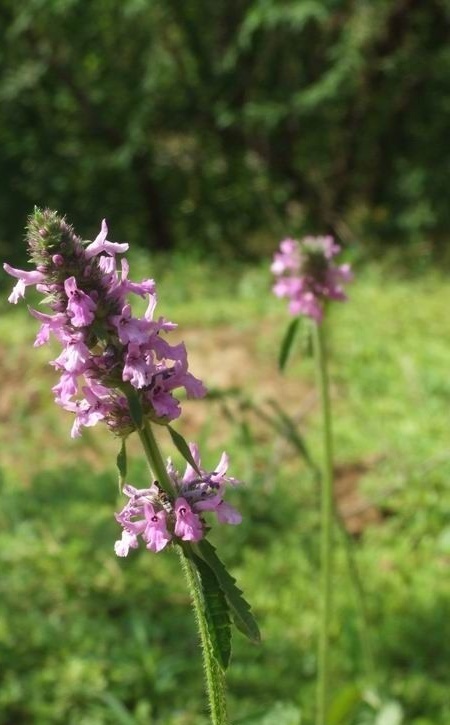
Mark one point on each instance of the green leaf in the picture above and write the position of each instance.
(288, 429)
(183, 448)
(135, 407)
(217, 612)
(286, 345)
(240, 609)
(121, 461)
(344, 704)
(221, 393)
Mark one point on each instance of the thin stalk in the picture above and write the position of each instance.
(154, 457)
(214, 676)
(326, 529)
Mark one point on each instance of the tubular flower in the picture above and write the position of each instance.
(307, 276)
(158, 518)
(106, 351)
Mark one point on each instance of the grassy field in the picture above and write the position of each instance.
(87, 639)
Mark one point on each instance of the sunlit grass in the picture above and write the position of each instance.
(85, 638)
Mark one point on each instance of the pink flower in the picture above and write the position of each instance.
(146, 287)
(142, 516)
(25, 280)
(155, 533)
(127, 542)
(80, 307)
(74, 356)
(65, 389)
(188, 525)
(129, 328)
(205, 491)
(50, 323)
(307, 276)
(136, 368)
(101, 244)
(227, 514)
(89, 411)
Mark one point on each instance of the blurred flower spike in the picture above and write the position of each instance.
(105, 348)
(158, 518)
(307, 276)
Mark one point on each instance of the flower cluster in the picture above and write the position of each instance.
(157, 518)
(307, 276)
(105, 348)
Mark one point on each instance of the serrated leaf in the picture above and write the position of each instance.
(216, 611)
(240, 609)
(121, 462)
(135, 407)
(183, 448)
(286, 345)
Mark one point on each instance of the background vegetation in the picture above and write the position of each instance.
(221, 125)
(207, 131)
(88, 639)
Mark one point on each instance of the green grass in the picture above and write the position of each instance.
(87, 639)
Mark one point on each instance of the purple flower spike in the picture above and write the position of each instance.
(105, 347)
(307, 276)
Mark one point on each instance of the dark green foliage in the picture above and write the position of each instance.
(121, 462)
(135, 406)
(181, 445)
(286, 345)
(217, 613)
(240, 609)
(226, 124)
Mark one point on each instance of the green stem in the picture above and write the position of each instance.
(214, 675)
(326, 526)
(215, 679)
(154, 457)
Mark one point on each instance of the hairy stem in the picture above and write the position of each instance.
(326, 529)
(214, 675)
(154, 457)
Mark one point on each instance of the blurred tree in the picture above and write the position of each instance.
(221, 124)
